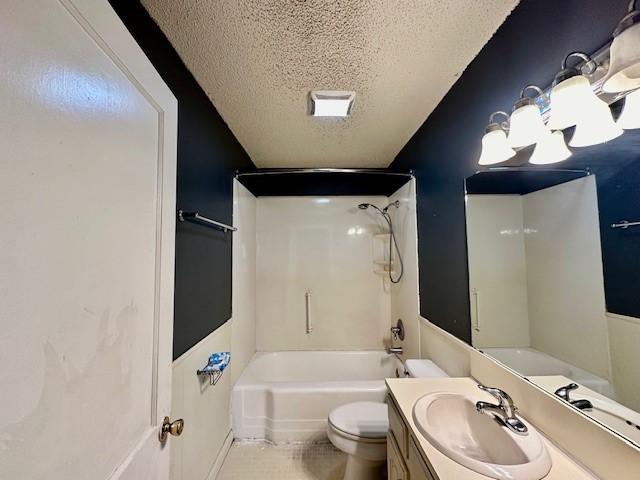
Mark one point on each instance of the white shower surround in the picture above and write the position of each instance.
(287, 396)
(322, 245)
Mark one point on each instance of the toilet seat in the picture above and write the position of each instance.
(361, 421)
(359, 429)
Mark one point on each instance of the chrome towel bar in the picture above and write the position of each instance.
(195, 216)
(625, 224)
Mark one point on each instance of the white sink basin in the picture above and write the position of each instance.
(450, 422)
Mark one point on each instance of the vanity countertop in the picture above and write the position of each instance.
(406, 391)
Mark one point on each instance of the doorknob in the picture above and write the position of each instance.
(174, 428)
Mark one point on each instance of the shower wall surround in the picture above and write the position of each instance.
(405, 302)
(323, 245)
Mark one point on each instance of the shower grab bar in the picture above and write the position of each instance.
(183, 216)
(307, 307)
(476, 298)
(625, 224)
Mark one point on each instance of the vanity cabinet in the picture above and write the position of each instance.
(396, 468)
(404, 461)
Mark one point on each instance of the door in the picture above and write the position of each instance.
(87, 218)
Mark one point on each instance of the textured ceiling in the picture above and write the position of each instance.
(258, 60)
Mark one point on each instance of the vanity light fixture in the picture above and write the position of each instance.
(596, 127)
(550, 149)
(495, 147)
(574, 103)
(630, 117)
(331, 103)
(526, 124)
(572, 97)
(624, 65)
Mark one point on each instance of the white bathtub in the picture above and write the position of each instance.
(530, 362)
(286, 396)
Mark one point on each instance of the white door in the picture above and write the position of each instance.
(87, 217)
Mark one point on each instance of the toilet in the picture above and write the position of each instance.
(359, 429)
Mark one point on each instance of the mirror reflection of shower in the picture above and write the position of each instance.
(392, 241)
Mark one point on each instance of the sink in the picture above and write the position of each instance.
(614, 415)
(450, 422)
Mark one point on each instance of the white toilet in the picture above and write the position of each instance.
(359, 429)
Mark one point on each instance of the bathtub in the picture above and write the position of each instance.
(530, 362)
(286, 396)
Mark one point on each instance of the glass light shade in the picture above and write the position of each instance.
(550, 149)
(630, 116)
(527, 126)
(495, 148)
(624, 66)
(597, 126)
(569, 100)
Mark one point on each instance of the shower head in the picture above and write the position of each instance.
(364, 206)
(384, 213)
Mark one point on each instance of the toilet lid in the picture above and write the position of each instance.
(361, 419)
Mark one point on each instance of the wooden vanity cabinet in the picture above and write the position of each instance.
(404, 460)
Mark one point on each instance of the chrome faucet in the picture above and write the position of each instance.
(398, 334)
(504, 412)
(563, 393)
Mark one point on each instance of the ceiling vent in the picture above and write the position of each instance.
(331, 103)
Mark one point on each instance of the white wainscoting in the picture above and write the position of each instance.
(206, 409)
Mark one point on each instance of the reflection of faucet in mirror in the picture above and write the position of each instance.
(563, 393)
(504, 411)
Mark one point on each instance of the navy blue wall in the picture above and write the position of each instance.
(208, 155)
(528, 48)
(282, 184)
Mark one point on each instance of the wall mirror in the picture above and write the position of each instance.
(553, 283)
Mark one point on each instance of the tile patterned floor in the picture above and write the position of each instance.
(249, 461)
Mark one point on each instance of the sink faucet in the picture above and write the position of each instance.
(504, 411)
(563, 393)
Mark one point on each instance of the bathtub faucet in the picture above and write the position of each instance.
(394, 350)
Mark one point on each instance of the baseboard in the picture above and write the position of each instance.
(222, 454)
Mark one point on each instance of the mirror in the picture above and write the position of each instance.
(548, 267)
